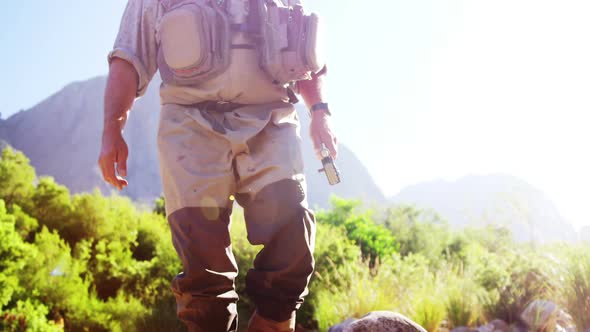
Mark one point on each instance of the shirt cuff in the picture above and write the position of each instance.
(139, 68)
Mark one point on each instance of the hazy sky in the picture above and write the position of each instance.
(420, 90)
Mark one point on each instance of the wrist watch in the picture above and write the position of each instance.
(320, 106)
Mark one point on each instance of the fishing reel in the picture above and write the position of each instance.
(329, 168)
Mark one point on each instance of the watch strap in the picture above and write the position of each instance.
(321, 106)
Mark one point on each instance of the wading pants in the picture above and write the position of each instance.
(252, 153)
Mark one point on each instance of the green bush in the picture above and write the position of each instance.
(29, 316)
(418, 232)
(404, 285)
(17, 178)
(527, 281)
(463, 300)
(333, 253)
(354, 289)
(25, 225)
(97, 217)
(375, 241)
(574, 273)
(96, 263)
(429, 312)
(13, 251)
(52, 205)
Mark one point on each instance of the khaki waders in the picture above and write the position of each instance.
(209, 153)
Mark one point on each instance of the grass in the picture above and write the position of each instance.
(576, 286)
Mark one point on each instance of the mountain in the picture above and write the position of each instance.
(3, 144)
(497, 199)
(62, 134)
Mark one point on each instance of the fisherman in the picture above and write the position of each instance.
(228, 130)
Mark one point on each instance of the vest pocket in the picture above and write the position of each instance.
(313, 44)
(184, 41)
(292, 49)
(194, 44)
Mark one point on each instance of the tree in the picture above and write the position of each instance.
(374, 240)
(12, 252)
(16, 178)
(25, 225)
(160, 206)
(97, 217)
(51, 204)
(418, 231)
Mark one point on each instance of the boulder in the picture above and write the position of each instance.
(463, 329)
(340, 327)
(378, 321)
(541, 315)
(497, 325)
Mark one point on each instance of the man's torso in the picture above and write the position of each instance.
(242, 82)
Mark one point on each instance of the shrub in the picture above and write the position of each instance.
(375, 241)
(119, 314)
(429, 312)
(97, 217)
(13, 251)
(463, 300)
(94, 263)
(418, 232)
(527, 281)
(25, 225)
(333, 252)
(28, 315)
(162, 316)
(16, 178)
(396, 284)
(428, 297)
(359, 288)
(575, 275)
(51, 204)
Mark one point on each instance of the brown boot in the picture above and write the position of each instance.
(260, 324)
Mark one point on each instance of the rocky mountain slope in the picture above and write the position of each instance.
(492, 199)
(61, 136)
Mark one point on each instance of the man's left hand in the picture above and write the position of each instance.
(321, 132)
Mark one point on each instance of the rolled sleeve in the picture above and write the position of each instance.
(143, 77)
(136, 40)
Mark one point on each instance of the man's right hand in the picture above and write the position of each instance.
(113, 156)
(119, 95)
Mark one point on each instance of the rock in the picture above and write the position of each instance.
(497, 325)
(500, 325)
(340, 327)
(463, 329)
(380, 321)
(543, 315)
(519, 327)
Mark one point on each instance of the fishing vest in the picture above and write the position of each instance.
(195, 39)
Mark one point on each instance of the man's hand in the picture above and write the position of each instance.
(119, 95)
(113, 155)
(321, 132)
